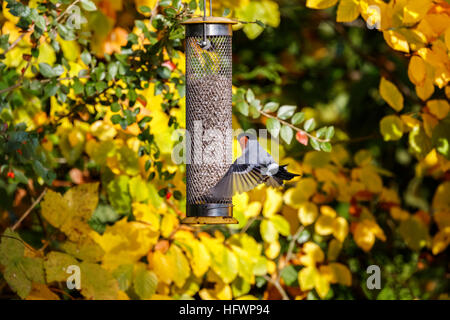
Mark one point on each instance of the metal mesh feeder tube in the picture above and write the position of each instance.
(208, 118)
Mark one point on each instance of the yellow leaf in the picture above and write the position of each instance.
(320, 4)
(180, 265)
(441, 200)
(340, 274)
(125, 242)
(415, 10)
(41, 292)
(307, 278)
(304, 189)
(439, 108)
(312, 254)
(168, 224)
(447, 38)
(146, 213)
(334, 248)
(340, 228)
(163, 266)
(371, 179)
(322, 285)
(425, 90)
(398, 213)
(272, 249)
(223, 261)
(253, 209)
(363, 236)
(307, 213)
(324, 225)
(417, 70)
(328, 211)
(391, 94)
(273, 203)
(348, 10)
(429, 122)
(268, 231)
(391, 128)
(396, 41)
(440, 241)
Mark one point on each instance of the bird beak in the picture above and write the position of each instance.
(243, 142)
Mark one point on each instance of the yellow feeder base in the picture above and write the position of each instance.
(209, 220)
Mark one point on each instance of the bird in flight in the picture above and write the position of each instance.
(253, 167)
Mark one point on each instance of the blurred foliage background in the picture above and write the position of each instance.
(91, 92)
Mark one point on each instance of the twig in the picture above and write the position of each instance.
(15, 42)
(293, 127)
(67, 10)
(278, 286)
(29, 209)
(249, 223)
(292, 243)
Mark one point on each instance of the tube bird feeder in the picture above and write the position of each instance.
(208, 117)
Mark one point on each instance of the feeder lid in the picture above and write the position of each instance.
(210, 19)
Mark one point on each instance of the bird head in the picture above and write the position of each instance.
(244, 138)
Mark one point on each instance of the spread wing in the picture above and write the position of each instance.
(239, 178)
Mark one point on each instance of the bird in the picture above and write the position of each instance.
(254, 167)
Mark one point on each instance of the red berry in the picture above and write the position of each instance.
(19, 151)
(302, 137)
(168, 195)
(169, 64)
(11, 175)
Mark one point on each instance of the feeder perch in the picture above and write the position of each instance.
(208, 107)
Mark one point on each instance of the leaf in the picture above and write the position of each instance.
(348, 10)
(396, 40)
(268, 231)
(56, 264)
(271, 107)
(391, 94)
(250, 96)
(315, 144)
(439, 108)
(243, 107)
(97, 283)
(391, 128)
(414, 233)
(325, 146)
(415, 10)
(309, 125)
(329, 133)
(49, 72)
(11, 247)
(302, 137)
(180, 265)
(417, 70)
(285, 112)
(298, 118)
(273, 125)
(223, 261)
(324, 225)
(307, 213)
(41, 292)
(340, 228)
(312, 254)
(307, 278)
(281, 224)
(320, 4)
(145, 283)
(118, 194)
(88, 5)
(289, 275)
(273, 203)
(286, 133)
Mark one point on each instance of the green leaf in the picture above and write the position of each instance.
(271, 107)
(286, 134)
(124, 276)
(88, 5)
(46, 70)
(145, 9)
(145, 283)
(330, 133)
(286, 112)
(289, 276)
(325, 146)
(268, 231)
(391, 128)
(40, 23)
(118, 194)
(97, 283)
(243, 107)
(250, 96)
(309, 125)
(86, 57)
(298, 118)
(321, 132)
(315, 144)
(273, 125)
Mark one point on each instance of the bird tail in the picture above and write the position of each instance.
(283, 174)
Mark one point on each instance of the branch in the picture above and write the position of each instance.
(293, 127)
(29, 209)
(292, 243)
(277, 285)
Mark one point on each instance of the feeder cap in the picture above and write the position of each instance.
(210, 19)
(209, 220)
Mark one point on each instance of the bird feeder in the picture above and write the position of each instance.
(208, 116)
